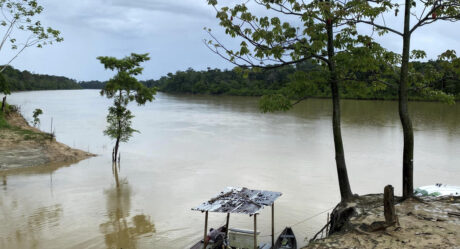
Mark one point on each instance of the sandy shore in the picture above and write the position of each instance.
(23, 146)
(424, 224)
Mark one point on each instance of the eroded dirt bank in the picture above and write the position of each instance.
(24, 146)
(422, 224)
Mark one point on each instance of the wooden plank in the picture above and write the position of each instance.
(273, 225)
(205, 230)
(226, 225)
(255, 231)
(243, 231)
(389, 205)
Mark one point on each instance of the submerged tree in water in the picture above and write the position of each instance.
(124, 88)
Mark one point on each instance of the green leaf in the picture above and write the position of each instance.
(274, 102)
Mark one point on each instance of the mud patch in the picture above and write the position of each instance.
(422, 224)
(23, 146)
(22, 157)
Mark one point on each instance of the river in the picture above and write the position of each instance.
(190, 148)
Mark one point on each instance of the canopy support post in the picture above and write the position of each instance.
(205, 230)
(255, 231)
(226, 225)
(273, 225)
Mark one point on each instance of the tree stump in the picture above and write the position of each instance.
(3, 104)
(389, 205)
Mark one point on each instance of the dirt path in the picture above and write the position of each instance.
(24, 146)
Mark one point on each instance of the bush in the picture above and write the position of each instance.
(10, 109)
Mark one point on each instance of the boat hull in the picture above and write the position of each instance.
(286, 240)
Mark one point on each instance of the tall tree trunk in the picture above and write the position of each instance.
(119, 117)
(117, 143)
(408, 152)
(344, 184)
(4, 103)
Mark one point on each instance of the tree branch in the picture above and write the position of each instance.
(376, 26)
(428, 19)
(299, 100)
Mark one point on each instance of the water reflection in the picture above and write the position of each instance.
(224, 140)
(4, 183)
(120, 231)
(49, 168)
(28, 231)
(358, 113)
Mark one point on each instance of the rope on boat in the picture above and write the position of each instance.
(302, 221)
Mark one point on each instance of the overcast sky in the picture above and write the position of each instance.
(170, 30)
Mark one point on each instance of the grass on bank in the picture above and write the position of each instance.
(3, 123)
(22, 133)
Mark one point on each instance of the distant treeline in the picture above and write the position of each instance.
(235, 82)
(229, 82)
(26, 81)
(94, 84)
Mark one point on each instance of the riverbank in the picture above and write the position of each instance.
(342, 97)
(23, 146)
(422, 224)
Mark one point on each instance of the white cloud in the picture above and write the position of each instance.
(172, 31)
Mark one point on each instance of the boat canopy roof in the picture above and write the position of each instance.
(239, 200)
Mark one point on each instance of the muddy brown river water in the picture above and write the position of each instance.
(192, 147)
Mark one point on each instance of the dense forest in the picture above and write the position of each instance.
(249, 83)
(26, 81)
(257, 83)
(231, 82)
(94, 84)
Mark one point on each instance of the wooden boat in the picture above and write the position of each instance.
(438, 189)
(286, 240)
(237, 201)
(218, 245)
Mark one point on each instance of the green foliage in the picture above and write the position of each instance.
(19, 18)
(124, 88)
(25, 134)
(32, 135)
(119, 123)
(26, 81)
(274, 102)
(363, 68)
(4, 86)
(94, 84)
(124, 83)
(238, 81)
(3, 123)
(268, 39)
(324, 35)
(37, 112)
(426, 80)
(306, 79)
(438, 80)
